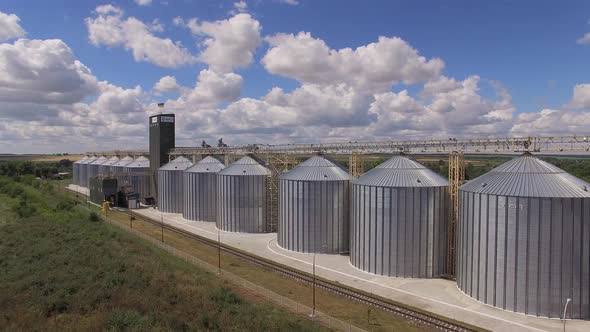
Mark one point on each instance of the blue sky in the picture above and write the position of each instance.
(530, 49)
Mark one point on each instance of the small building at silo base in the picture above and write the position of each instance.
(399, 220)
(523, 239)
(313, 208)
(200, 190)
(242, 190)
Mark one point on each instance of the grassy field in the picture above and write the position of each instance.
(63, 271)
(39, 157)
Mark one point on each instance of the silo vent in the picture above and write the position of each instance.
(483, 185)
(585, 188)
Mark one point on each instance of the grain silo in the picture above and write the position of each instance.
(139, 176)
(241, 197)
(170, 186)
(84, 171)
(200, 190)
(313, 208)
(399, 220)
(76, 170)
(118, 170)
(524, 239)
(105, 168)
(92, 167)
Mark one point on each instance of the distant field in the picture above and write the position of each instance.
(38, 157)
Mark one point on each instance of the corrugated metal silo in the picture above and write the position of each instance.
(313, 207)
(399, 220)
(200, 190)
(118, 169)
(170, 185)
(241, 197)
(524, 239)
(105, 167)
(92, 167)
(76, 170)
(139, 176)
(84, 171)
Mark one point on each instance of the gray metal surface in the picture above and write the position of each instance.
(84, 171)
(526, 253)
(139, 176)
(170, 185)
(76, 170)
(105, 167)
(200, 190)
(242, 197)
(118, 168)
(399, 220)
(313, 208)
(92, 167)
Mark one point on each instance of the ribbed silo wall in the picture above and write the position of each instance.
(91, 171)
(104, 169)
(313, 214)
(241, 203)
(200, 196)
(525, 254)
(170, 191)
(75, 173)
(399, 232)
(82, 177)
(140, 182)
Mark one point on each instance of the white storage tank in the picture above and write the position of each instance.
(76, 170)
(139, 176)
(524, 239)
(313, 208)
(399, 220)
(242, 193)
(200, 190)
(170, 190)
(105, 168)
(84, 170)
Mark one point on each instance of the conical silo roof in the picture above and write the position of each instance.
(401, 172)
(245, 166)
(207, 165)
(99, 161)
(316, 168)
(81, 160)
(140, 162)
(89, 160)
(123, 161)
(528, 176)
(178, 164)
(111, 161)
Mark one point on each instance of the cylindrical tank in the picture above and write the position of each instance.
(241, 197)
(92, 167)
(84, 171)
(200, 190)
(399, 220)
(76, 170)
(524, 239)
(313, 208)
(170, 186)
(139, 176)
(118, 169)
(105, 168)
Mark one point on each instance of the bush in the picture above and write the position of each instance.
(24, 210)
(126, 321)
(93, 216)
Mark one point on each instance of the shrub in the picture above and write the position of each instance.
(93, 216)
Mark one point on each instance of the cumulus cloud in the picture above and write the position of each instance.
(143, 2)
(240, 6)
(373, 67)
(228, 44)
(551, 122)
(581, 97)
(109, 28)
(584, 39)
(290, 2)
(10, 27)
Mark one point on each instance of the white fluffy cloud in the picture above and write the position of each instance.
(290, 2)
(552, 122)
(109, 27)
(581, 97)
(167, 84)
(228, 44)
(584, 39)
(10, 27)
(143, 2)
(240, 6)
(373, 67)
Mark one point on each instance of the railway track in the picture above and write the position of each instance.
(416, 316)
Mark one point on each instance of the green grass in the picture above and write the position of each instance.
(61, 271)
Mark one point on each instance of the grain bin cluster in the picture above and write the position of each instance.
(523, 234)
